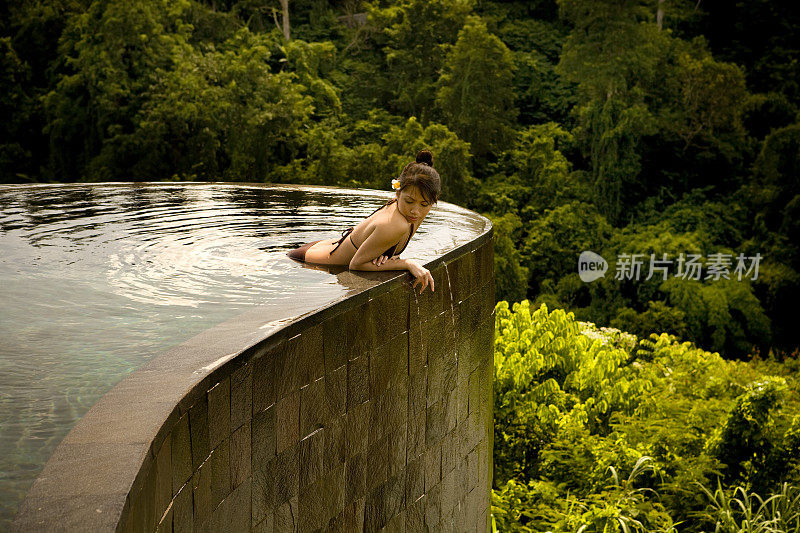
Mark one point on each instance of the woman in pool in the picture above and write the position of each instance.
(372, 244)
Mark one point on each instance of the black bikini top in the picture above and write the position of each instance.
(388, 253)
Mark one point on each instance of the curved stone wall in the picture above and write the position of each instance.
(374, 412)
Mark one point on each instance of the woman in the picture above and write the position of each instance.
(372, 244)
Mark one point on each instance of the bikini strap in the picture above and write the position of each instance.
(410, 234)
(390, 202)
(346, 232)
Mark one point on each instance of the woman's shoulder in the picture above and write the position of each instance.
(389, 223)
(389, 215)
(398, 222)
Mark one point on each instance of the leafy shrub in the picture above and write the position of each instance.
(741, 511)
(576, 405)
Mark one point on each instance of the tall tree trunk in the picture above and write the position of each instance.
(660, 14)
(285, 6)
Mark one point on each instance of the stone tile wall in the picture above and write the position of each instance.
(378, 418)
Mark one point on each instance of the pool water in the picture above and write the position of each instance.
(97, 279)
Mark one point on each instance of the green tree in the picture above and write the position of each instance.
(222, 112)
(614, 56)
(532, 176)
(475, 91)
(511, 278)
(711, 96)
(576, 405)
(746, 438)
(112, 53)
(772, 201)
(555, 241)
(722, 315)
(774, 193)
(313, 64)
(645, 97)
(538, 161)
(31, 32)
(415, 36)
(540, 94)
(16, 106)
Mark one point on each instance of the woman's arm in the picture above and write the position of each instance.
(372, 247)
(393, 264)
(381, 238)
(421, 274)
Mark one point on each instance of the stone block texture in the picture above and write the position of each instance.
(376, 418)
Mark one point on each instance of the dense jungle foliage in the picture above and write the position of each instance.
(598, 430)
(625, 127)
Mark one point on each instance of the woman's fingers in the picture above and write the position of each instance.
(425, 280)
(428, 282)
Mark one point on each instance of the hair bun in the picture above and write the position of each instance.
(425, 157)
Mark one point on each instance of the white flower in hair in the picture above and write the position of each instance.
(395, 184)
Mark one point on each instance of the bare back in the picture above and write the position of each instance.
(388, 217)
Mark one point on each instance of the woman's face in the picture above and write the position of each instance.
(412, 204)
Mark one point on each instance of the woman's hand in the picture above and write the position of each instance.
(422, 275)
(378, 261)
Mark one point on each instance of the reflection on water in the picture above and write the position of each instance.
(97, 279)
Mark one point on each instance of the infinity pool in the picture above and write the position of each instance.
(97, 279)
